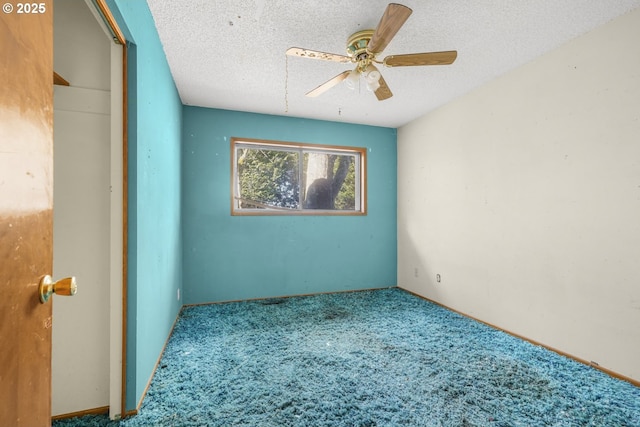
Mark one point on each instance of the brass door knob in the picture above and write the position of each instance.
(48, 287)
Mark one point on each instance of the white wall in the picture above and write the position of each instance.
(525, 197)
(82, 151)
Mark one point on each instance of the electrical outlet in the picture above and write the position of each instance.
(415, 272)
(438, 278)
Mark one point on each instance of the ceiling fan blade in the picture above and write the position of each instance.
(394, 16)
(314, 54)
(328, 85)
(429, 58)
(383, 92)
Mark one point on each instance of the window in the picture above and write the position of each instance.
(285, 178)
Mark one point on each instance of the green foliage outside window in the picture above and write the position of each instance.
(268, 178)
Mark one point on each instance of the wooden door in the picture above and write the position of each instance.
(26, 202)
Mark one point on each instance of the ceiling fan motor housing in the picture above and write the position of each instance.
(357, 48)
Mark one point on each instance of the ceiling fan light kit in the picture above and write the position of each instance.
(352, 79)
(373, 80)
(362, 48)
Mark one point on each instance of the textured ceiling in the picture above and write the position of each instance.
(230, 54)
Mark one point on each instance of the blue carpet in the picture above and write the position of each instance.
(375, 358)
(87, 421)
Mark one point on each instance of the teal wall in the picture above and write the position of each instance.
(239, 257)
(154, 221)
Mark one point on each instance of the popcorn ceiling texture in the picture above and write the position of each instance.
(373, 358)
(230, 54)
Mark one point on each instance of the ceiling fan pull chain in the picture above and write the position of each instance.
(286, 83)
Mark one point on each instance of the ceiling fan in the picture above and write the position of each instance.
(362, 48)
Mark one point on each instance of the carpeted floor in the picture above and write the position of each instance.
(374, 358)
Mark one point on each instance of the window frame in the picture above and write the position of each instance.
(361, 171)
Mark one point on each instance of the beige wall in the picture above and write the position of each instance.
(82, 151)
(525, 197)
